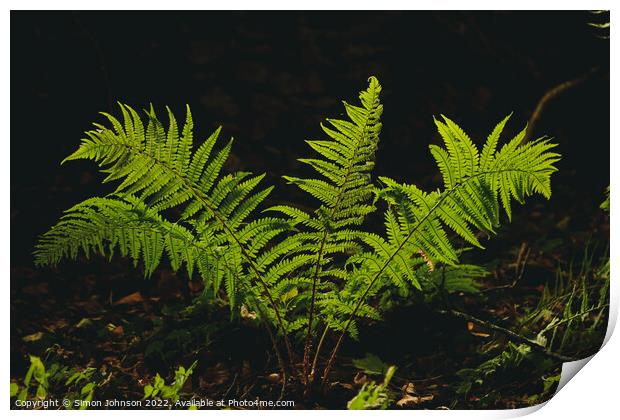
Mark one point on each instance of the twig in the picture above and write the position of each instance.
(230, 387)
(551, 94)
(510, 334)
(518, 273)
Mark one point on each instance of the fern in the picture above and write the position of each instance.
(298, 270)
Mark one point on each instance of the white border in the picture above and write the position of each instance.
(592, 395)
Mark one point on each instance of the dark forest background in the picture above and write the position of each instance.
(270, 77)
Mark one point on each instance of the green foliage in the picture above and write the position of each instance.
(75, 385)
(371, 364)
(511, 358)
(304, 268)
(605, 203)
(159, 390)
(451, 279)
(158, 172)
(344, 191)
(570, 314)
(601, 23)
(417, 223)
(372, 395)
(36, 378)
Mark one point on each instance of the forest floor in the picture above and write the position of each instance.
(104, 316)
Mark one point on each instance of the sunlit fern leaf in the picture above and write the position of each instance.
(419, 225)
(156, 169)
(105, 225)
(474, 184)
(451, 279)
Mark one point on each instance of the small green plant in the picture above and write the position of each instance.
(76, 386)
(372, 395)
(301, 272)
(36, 378)
(159, 390)
(371, 364)
(511, 358)
(571, 311)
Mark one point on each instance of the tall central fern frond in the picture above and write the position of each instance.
(344, 190)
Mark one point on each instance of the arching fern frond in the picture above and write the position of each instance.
(417, 222)
(104, 225)
(474, 186)
(157, 170)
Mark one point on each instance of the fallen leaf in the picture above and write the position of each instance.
(84, 322)
(360, 379)
(273, 377)
(33, 337)
(130, 299)
(471, 327)
(245, 313)
(58, 325)
(412, 400)
(408, 401)
(425, 398)
(409, 388)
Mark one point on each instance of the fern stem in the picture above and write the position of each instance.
(317, 268)
(317, 353)
(308, 341)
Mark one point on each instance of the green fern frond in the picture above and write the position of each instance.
(417, 223)
(473, 186)
(156, 169)
(104, 225)
(345, 191)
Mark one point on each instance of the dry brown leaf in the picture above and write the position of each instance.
(409, 388)
(118, 331)
(273, 377)
(411, 400)
(130, 299)
(408, 401)
(245, 313)
(471, 327)
(360, 379)
(425, 398)
(33, 337)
